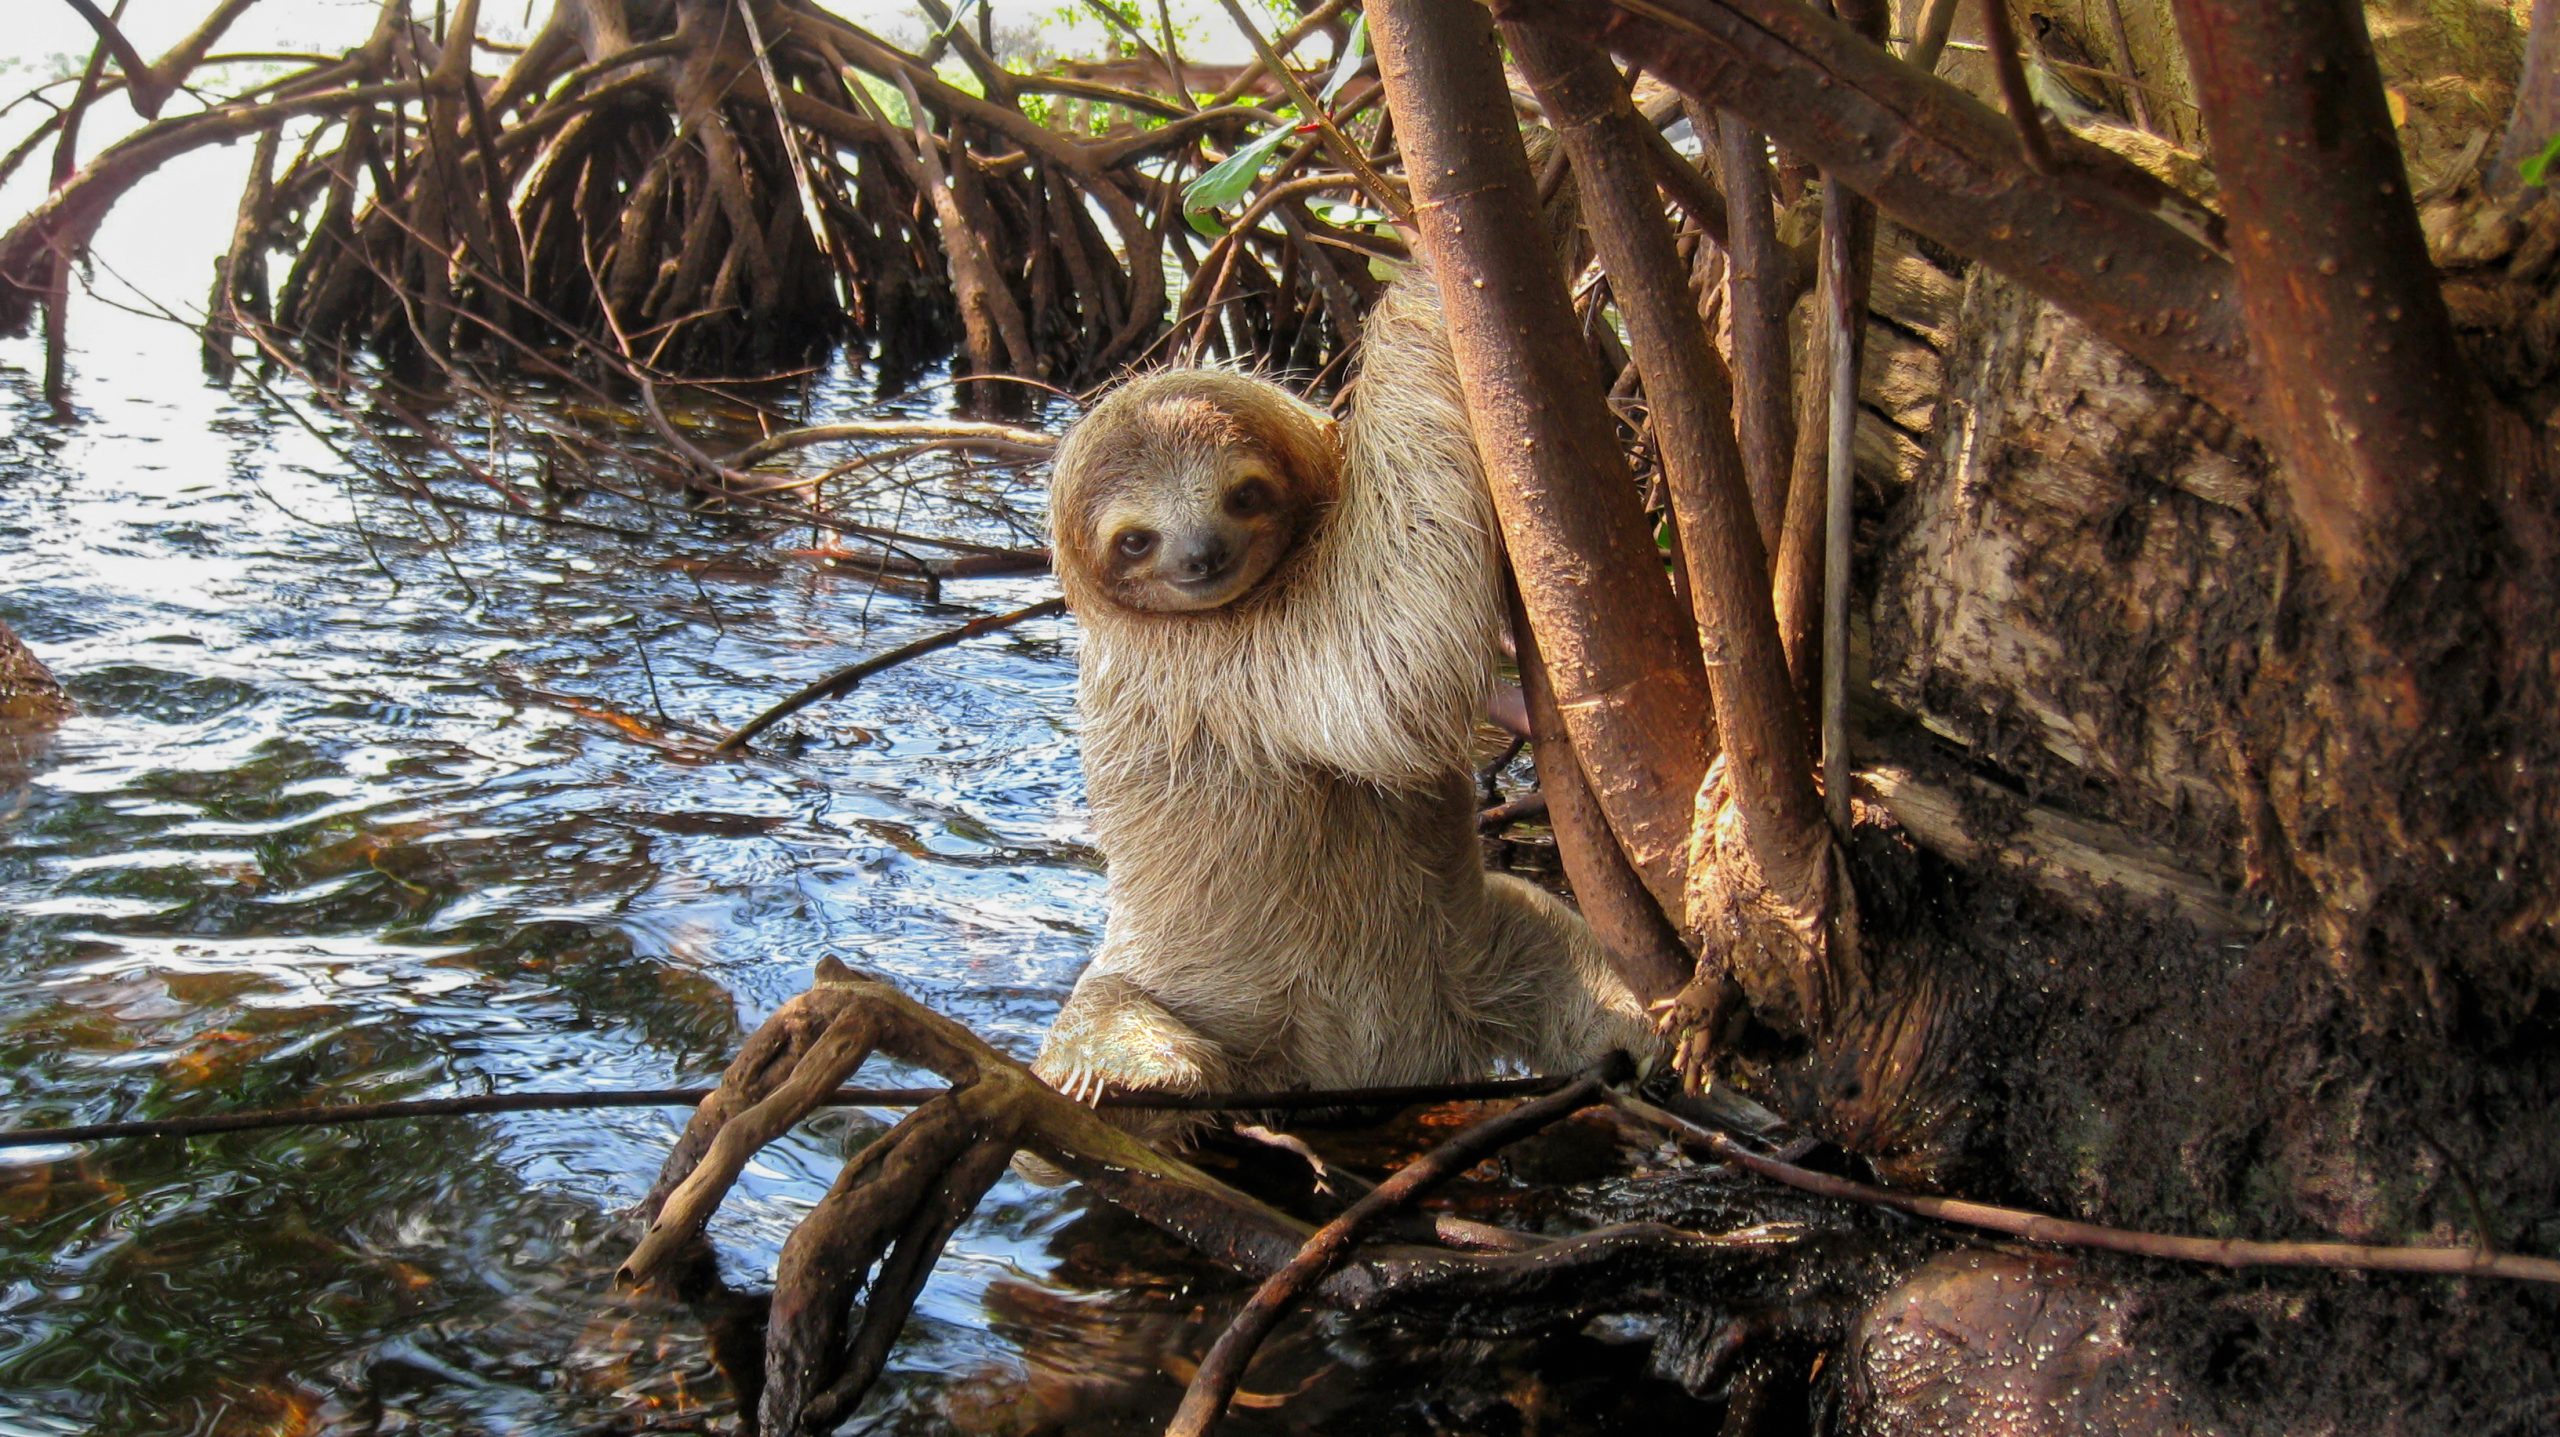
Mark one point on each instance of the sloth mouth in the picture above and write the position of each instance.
(1205, 591)
(1209, 583)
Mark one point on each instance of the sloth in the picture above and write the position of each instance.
(1288, 631)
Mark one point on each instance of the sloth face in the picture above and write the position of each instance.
(1185, 490)
(1200, 541)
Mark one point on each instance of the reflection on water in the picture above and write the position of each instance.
(341, 817)
(316, 834)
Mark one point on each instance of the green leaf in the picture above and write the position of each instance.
(1207, 223)
(1226, 182)
(2537, 171)
(1354, 50)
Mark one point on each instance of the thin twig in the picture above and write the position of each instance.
(1288, 43)
(842, 681)
(2039, 1227)
(2015, 96)
(1205, 1401)
(1389, 195)
(955, 431)
(477, 1105)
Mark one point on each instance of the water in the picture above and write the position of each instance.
(328, 826)
(366, 800)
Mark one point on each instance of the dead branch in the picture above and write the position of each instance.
(332, 1115)
(897, 1200)
(843, 681)
(909, 1181)
(901, 1197)
(2063, 1232)
(1205, 1400)
(1004, 438)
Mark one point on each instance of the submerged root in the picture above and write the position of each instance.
(898, 1201)
(895, 1205)
(1778, 1272)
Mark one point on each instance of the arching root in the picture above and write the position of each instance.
(898, 1201)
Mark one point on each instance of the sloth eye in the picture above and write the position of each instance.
(1249, 498)
(1135, 543)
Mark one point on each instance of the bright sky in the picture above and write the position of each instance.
(39, 31)
(163, 236)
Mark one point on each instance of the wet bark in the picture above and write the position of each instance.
(1607, 890)
(1760, 289)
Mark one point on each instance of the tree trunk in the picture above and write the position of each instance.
(1621, 656)
(1761, 898)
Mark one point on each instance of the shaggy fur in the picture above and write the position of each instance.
(1280, 784)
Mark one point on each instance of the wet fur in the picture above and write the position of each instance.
(1280, 786)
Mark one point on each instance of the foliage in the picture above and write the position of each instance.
(2537, 169)
(1232, 178)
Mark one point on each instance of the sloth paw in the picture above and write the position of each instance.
(1113, 1036)
(1693, 1021)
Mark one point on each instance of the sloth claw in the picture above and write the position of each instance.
(1690, 1021)
(1081, 1083)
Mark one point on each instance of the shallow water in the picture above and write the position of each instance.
(360, 804)
(331, 824)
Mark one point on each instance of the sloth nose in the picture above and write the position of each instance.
(1203, 558)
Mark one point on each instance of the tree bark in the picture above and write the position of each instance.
(1626, 675)
(1760, 894)
(1760, 284)
(2091, 237)
(1606, 888)
(2370, 402)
